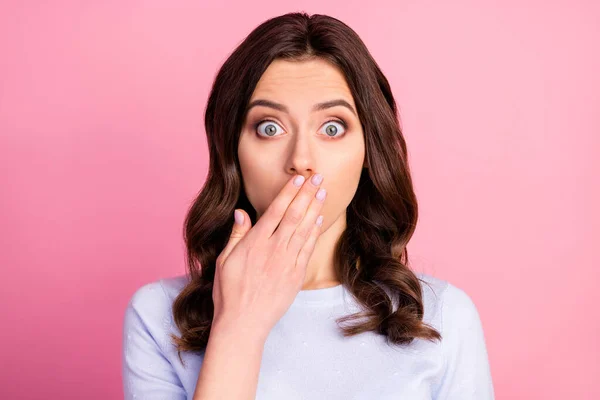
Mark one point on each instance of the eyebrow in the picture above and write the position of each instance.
(317, 107)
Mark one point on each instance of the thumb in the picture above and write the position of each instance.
(241, 226)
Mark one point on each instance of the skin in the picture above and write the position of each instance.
(304, 142)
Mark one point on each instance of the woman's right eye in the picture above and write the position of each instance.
(269, 128)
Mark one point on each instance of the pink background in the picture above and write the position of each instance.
(102, 149)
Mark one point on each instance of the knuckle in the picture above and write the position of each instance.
(236, 234)
(303, 232)
(294, 216)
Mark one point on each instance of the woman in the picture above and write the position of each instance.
(259, 315)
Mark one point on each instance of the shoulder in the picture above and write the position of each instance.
(156, 295)
(466, 371)
(150, 306)
(149, 360)
(445, 303)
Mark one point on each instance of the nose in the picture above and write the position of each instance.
(301, 159)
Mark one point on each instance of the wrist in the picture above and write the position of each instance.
(238, 330)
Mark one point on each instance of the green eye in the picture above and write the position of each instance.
(270, 128)
(331, 130)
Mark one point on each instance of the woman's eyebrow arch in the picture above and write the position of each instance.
(317, 107)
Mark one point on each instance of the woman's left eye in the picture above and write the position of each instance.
(331, 130)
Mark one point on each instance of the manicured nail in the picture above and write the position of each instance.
(321, 194)
(317, 179)
(320, 220)
(239, 217)
(299, 180)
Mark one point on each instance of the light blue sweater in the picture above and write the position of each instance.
(306, 356)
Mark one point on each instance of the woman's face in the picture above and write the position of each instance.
(294, 137)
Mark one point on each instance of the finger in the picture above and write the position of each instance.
(296, 211)
(269, 221)
(307, 249)
(237, 233)
(305, 228)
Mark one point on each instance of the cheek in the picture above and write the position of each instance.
(341, 187)
(255, 181)
(256, 194)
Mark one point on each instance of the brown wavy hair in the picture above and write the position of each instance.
(370, 258)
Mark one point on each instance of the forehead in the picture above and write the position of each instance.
(308, 81)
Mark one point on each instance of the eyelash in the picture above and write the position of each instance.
(340, 121)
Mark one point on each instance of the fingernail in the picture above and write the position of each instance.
(239, 217)
(321, 194)
(317, 179)
(299, 180)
